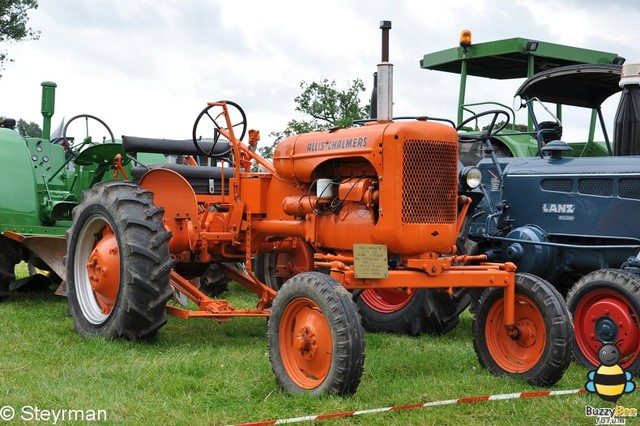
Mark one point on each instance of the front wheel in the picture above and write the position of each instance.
(118, 263)
(605, 305)
(541, 350)
(316, 342)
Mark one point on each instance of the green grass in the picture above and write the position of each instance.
(202, 372)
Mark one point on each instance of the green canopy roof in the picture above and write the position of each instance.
(509, 58)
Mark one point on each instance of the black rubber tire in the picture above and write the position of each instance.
(347, 334)
(9, 258)
(214, 282)
(428, 311)
(555, 353)
(264, 269)
(623, 285)
(145, 262)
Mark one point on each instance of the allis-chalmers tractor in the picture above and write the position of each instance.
(370, 207)
(378, 205)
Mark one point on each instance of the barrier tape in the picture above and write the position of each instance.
(467, 400)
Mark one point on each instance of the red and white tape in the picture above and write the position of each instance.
(412, 406)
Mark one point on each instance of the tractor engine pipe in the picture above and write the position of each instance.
(385, 78)
(48, 107)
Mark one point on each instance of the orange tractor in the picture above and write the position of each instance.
(373, 207)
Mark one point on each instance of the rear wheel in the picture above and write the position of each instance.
(275, 268)
(9, 258)
(541, 351)
(316, 342)
(605, 306)
(413, 313)
(214, 282)
(118, 263)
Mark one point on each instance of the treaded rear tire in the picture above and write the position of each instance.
(138, 309)
(611, 298)
(428, 311)
(542, 353)
(315, 307)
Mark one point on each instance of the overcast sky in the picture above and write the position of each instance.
(147, 67)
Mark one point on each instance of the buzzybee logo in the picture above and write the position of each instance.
(609, 381)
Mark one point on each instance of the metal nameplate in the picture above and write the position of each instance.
(370, 260)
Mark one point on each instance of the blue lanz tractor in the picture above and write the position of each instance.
(571, 220)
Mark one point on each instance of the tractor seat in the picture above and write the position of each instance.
(203, 179)
(550, 131)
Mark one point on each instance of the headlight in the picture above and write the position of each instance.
(471, 177)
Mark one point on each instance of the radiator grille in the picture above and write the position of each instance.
(629, 188)
(557, 185)
(603, 187)
(429, 182)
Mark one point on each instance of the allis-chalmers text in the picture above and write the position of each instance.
(337, 144)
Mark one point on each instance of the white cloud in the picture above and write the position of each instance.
(148, 67)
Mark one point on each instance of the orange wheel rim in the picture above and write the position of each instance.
(96, 269)
(524, 352)
(305, 343)
(103, 268)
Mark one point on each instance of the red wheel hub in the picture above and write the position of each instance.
(386, 301)
(605, 316)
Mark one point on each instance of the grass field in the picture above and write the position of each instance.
(201, 372)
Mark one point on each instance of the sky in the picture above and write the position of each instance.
(148, 67)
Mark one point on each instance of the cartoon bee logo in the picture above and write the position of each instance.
(609, 380)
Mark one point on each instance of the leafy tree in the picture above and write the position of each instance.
(29, 129)
(327, 107)
(13, 24)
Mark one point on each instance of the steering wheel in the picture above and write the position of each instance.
(68, 143)
(490, 131)
(217, 120)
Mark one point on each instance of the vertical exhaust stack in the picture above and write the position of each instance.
(385, 78)
(626, 136)
(48, 107)
(373, 112)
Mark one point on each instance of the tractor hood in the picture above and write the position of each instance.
(586, 85)
(576, 196)
(585, 166)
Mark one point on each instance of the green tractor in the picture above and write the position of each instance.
(516, 58)
(42, 181)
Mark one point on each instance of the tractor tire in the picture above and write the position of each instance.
(9, 257)
(316, 341)
(542, 351)
(118, 263)
(423, 311)
(264, 268)
(605, 305)
(275, 268)
(214, 282)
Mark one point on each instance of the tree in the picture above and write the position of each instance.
(327, 107)
(13, 24)
(28, 130)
